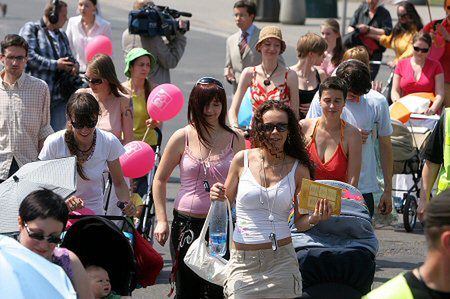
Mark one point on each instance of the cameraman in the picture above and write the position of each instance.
(50, 57)
(167, 53)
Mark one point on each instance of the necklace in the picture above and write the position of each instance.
(267, 80)
(84, 156)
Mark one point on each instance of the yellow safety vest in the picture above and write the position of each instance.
(396, 288)
(444, 174)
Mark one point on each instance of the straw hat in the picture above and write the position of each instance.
(271, 32)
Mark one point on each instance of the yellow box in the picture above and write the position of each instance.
(312, 191)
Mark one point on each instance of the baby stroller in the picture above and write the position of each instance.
(98, 241)
(146, 224)
(406, 161)
(407, 143)
(337, 257)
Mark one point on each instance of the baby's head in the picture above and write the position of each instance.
(99, 278)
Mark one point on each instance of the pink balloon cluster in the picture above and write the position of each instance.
(138, 160)
(98, 45)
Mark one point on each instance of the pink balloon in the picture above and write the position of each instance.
(138, 160)
(99, 44)
(165, 102)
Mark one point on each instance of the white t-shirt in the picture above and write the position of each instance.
(370, 114)
(107, 148)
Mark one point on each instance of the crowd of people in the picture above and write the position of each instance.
(322, 118)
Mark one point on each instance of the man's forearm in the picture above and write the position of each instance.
(386, 161)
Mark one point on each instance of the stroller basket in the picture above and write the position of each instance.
(405, 153)
(98, 241)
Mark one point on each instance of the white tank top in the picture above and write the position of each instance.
(253, 205)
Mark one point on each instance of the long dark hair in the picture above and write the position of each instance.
(415, 24)
(81, 106)
(202, 95)
(338, 50)
(295, 145)
(102, 67)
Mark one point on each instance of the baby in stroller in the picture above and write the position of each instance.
(337, 257)
(100, 284)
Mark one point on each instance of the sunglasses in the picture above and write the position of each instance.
(281, 127)
(96, 81)
(209, 80)
(41, 237)
(402, 15)
(422, 50)
(89, 123)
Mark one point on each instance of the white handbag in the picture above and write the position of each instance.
(210, 268)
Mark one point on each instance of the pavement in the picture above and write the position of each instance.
(211, 23)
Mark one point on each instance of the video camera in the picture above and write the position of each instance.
(155, 20)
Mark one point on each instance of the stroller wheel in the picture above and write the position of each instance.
(410, 213)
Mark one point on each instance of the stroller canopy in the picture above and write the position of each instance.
(98, 241)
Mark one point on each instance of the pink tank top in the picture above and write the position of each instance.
(192, 196)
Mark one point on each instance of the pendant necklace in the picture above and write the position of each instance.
(205, 164)
(267, 80)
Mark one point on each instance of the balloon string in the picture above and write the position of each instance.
(146, 132)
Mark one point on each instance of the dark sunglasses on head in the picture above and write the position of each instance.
(41, 237)
(281, 127)
(209, 80)
(88, 123)
(423, 50)
(93, 81)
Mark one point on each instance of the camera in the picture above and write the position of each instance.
(155, 20)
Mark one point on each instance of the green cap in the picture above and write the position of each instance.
(135, 53)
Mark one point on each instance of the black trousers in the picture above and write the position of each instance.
(188, 284)
(12, 169)
(368, 198)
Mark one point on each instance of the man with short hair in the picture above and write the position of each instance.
(367, 110)
(50, 57)
(167, 54)
(432, 279)
(24, 108)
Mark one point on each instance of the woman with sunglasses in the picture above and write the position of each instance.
(268, 80)
(440, 31)
(409, 23)
(264, 182)
(419, 74)
(203, 150)
(116, 108)
(138, 64)
(334, 146)
(42, 218)
(95, 149)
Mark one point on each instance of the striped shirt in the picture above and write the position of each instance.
(24, 120)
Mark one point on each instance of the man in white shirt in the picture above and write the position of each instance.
(367, 110)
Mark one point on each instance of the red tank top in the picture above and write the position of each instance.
(336, 167)
(259, 94)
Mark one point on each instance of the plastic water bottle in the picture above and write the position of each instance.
(218, 227)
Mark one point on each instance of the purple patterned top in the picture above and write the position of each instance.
(61, 258)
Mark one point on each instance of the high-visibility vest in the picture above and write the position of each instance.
(396, 288)
(444, 174)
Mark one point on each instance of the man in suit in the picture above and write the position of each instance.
(241, 51)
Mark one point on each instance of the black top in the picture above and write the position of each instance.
(420, 290)
(434, 148)
(381, 19)
(306, 96)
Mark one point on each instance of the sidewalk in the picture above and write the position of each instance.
(216, 17)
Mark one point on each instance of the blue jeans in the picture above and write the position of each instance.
(58, 119)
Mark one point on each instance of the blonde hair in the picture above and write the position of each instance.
(310, 42)
(358, 53)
